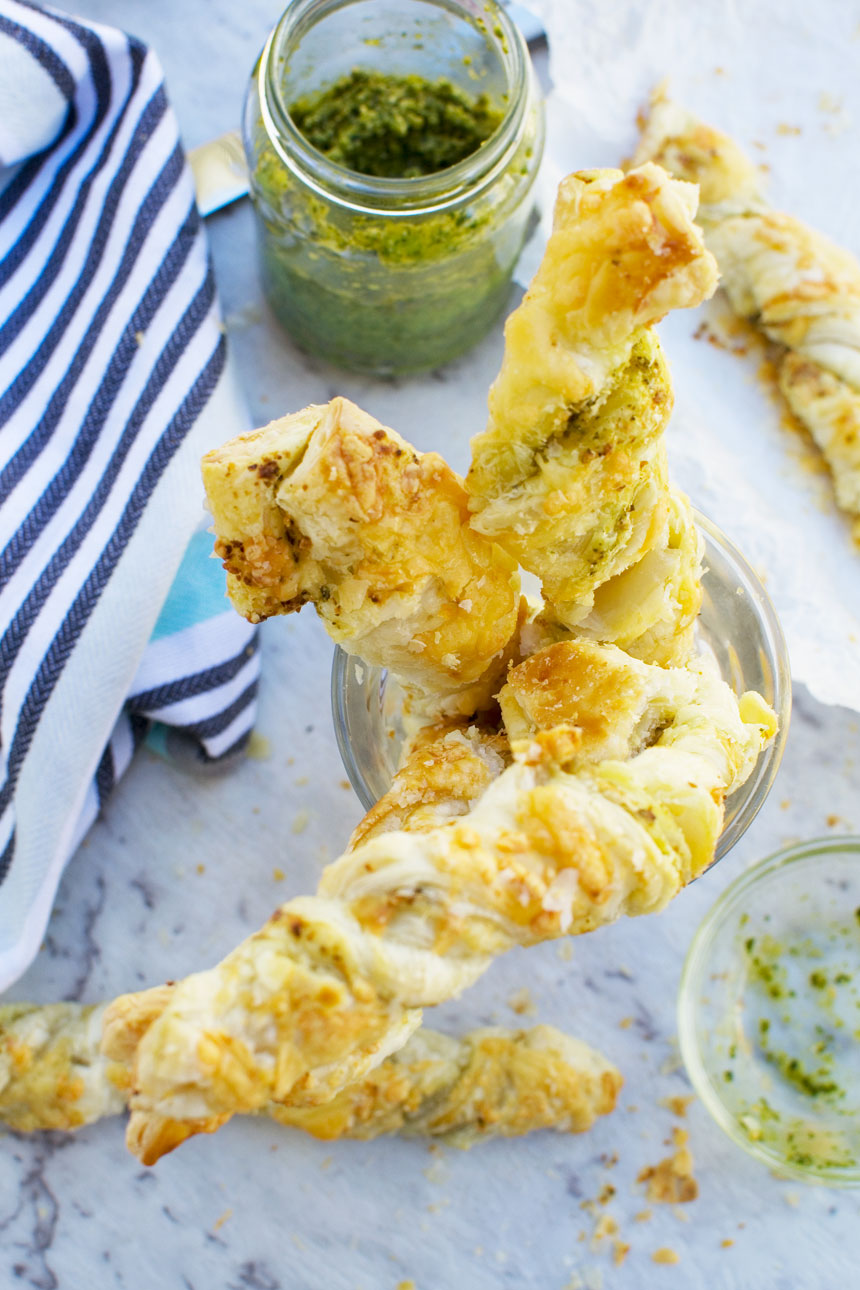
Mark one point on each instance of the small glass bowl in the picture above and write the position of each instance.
(768, 1011)
(737, 627)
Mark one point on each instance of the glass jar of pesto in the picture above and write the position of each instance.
(392, 146)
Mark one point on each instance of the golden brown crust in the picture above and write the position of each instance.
(593, 693)
(330, 507)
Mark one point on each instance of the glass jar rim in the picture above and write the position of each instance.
(369, 194)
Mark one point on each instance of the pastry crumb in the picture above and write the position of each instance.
(671, 1181)
(258, 748)
(604, 1227)
(678, 1105)
(301, 820)
(620, 1250)
(625, 1023)
(200, 868)
(666, 1254)
(278, 875)
(833, 821)
(522, 1003)
(724, 1245)
(643, 1216)
(785, 128)
(219, 1222)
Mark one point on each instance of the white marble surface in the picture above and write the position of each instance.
(180, 868)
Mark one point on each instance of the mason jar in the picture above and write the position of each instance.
(389, 275)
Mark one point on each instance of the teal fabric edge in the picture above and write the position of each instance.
(197, 591)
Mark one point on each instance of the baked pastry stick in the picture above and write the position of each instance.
(328, 506)
(570, 474)
(492, 1082)
(410, 918)
(446, 769)
(799, 288)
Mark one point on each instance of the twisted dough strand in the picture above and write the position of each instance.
(408, 919)
(570, 474)
(491, 1082)
(799, 288)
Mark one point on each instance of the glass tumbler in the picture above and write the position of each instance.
(737, 626)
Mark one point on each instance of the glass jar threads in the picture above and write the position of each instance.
(403, 269)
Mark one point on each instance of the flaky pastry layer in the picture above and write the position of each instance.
(328, 506)
(798, 287)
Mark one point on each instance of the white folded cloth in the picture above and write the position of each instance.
(113, 382)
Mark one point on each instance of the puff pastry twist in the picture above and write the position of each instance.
(328, 506)
(488, 1083)
(570, 474)
(557, 844)
(799, 288)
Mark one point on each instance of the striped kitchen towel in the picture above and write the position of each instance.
(113, 382)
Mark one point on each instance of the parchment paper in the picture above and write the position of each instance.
(782, 78)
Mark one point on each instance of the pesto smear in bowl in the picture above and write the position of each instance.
(769, 1014)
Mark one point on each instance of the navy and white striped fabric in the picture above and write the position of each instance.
(113, 382)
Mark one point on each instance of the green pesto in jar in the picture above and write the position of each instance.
(395, 127)
(400, 289)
